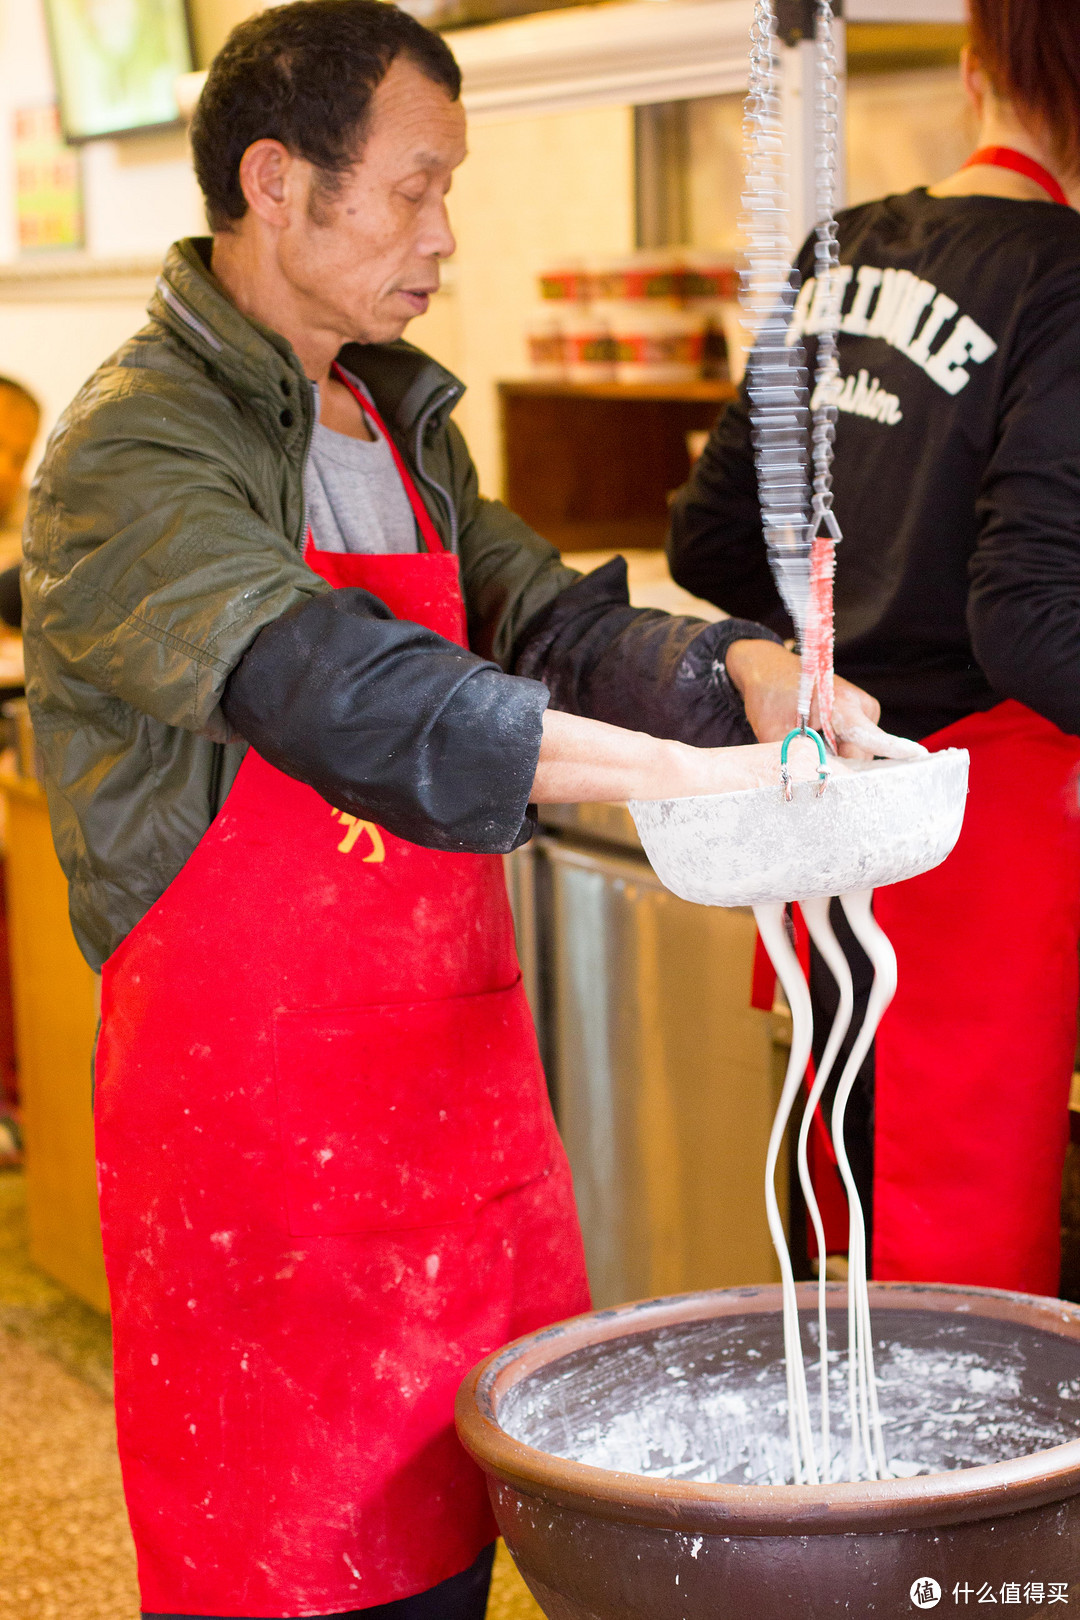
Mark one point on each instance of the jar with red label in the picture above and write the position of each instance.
(591, 347)
(545, 342)
(656, 343)
(569, 282)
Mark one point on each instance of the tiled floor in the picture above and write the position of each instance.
(510, 1597)
(39, 1311)
(65, 1547)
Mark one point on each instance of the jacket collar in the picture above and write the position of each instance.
(259, 365)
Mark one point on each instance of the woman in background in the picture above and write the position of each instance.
(957, 484)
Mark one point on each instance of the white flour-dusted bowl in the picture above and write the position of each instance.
(885, 821)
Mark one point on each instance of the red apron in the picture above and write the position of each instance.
(330, 1182)
(974, 1057)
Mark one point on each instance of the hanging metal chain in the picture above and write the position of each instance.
(826, 262)
(824, 532)
(794, 488)
(776, 371)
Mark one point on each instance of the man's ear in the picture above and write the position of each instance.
(267, 178)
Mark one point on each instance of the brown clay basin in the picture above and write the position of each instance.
(630, 1456)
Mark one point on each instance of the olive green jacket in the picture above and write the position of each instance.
(165, 530)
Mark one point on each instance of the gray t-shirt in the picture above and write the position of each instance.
(354, 495)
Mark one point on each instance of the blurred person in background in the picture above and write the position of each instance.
(957, 487)
(20, 418)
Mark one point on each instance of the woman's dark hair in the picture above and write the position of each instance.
(1030, 51)
(303, 74)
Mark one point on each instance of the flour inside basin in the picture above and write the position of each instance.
(707, 1400)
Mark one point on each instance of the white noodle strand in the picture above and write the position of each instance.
(816, 913)
(857, 909)
(772, 926)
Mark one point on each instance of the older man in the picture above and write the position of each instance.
(290, 677)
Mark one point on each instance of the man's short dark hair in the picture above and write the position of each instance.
(303, 74)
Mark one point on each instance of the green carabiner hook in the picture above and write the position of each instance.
(823, 769)
(802, 731)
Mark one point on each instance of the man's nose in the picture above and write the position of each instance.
(439, 240)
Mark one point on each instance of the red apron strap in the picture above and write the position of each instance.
(763, 979)
(1007, 157)
(432, 537)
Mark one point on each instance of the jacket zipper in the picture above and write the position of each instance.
(303, 466)
(453, 392)
(191, 321)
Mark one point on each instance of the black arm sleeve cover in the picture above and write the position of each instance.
(637, 667)
(388, 721)
(715, 543)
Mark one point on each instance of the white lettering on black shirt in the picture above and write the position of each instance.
(859, 396)
(897, 308)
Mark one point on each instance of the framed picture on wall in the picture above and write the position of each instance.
(471, 13)
(116, 63)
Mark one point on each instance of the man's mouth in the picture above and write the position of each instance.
(417, 298)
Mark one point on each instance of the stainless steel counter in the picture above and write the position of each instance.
(662, 1074)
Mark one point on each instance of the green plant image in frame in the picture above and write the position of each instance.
(116, 63)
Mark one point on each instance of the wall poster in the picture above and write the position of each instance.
(48, 182)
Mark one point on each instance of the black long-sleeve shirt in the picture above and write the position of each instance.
(957, 472)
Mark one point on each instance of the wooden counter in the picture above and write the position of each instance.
(591, 465)
(56, 996)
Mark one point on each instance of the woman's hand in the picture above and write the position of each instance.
(766, 677)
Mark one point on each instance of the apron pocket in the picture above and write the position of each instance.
(410, 1114)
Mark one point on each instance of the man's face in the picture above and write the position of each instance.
(18, 430)
(364, 258)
